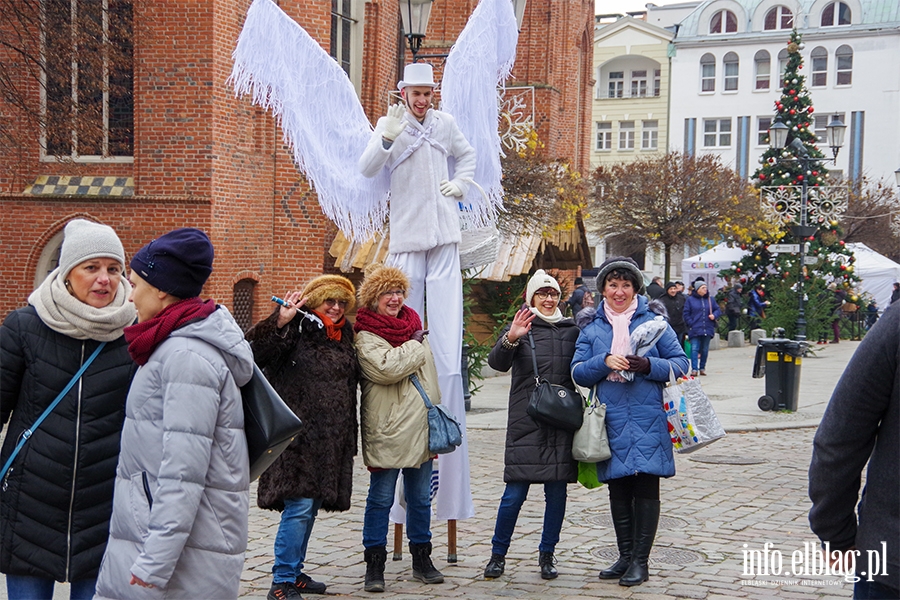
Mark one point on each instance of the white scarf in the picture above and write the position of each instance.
(66, 314)
(556, 317)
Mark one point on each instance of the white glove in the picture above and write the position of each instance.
(394, 122)
(448, 188)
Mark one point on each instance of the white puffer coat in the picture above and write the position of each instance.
(421, 217)
(182, 496)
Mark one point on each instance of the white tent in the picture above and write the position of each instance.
(708, 264)
(877, 272)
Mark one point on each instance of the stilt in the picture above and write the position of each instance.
(398, 541)
(451, 541)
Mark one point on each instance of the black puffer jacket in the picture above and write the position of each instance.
(317, 378)
(56, 500)
(535, 452)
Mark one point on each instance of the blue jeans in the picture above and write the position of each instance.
(699, 349)
(508, 514)
(417, 488)
(26, 587)
(292, 539)
(873, 590)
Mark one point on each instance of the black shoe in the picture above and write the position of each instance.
(305, 583)
(623, 522)
(646, 520)
(495, 566)
(423, 568)
(375, 558)
(546, 560)
(283, 591)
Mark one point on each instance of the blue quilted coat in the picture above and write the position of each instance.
(635, 419)
(697, 309)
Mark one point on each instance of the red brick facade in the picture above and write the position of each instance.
(206, 159)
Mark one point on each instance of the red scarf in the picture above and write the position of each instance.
(395, 330)
(143, 338)
(332, 330)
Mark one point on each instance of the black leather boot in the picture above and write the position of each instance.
(375, 559)
(646, 520)
(495, 566)
(423, 568)
(623, 522)
(546, 560)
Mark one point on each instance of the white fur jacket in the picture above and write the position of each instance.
(421, 218)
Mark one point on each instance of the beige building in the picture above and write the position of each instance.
(631, 96)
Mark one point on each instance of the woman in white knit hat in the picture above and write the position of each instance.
(56, 496)
(535, 452)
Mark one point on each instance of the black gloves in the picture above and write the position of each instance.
(638, 364)
(420, 334)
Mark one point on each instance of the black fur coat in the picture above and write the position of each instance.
(317, 378)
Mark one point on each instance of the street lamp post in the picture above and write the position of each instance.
(778, 134)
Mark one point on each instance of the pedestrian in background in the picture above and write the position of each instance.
(700, 314)
(756, 305)
(391, 346)
(895, 293)
(635, 419)
(535, 452)
(673, 301)
(734, 306)
(862, 425)
(581, 297)
(306, 351)
(180, 509)
(57, 496)
(655, 290)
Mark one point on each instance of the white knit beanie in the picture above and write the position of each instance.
(539, 280)
(84, 240)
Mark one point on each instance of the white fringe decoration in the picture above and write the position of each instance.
(321, 118)
(479, 62)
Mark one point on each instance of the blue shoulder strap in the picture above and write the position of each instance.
(30, 431)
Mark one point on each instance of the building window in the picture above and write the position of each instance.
(732, 66)
(723, 21)
(836, 13)
(762, 130)
(779, 17)
(638, 84)
(782, 64)
(616, 84)
(346, 31)
(626, 135)
(649, 135)
(243, 303)
(88, 78)
(819, 67)
(657, 79)
(763, 66)
(708, 73)
(604, 135)
(716, 133)
(820, 125)
(843, 56)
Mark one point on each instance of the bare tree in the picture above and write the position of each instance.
(873, 216)
(674, 199)
(66, 71)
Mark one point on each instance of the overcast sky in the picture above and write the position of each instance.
(622, 6)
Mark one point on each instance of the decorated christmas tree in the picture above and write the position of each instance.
(780, 178)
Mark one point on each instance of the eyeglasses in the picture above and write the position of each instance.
(400, 293)
(543, 295)
(331, 302)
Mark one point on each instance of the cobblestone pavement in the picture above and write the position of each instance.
(732, 497)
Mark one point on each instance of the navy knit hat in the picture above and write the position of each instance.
(178, 263)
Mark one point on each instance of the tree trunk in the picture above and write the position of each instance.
(668, 254)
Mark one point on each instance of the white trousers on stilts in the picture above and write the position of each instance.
(436, 294)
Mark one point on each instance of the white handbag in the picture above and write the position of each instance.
(590, 443)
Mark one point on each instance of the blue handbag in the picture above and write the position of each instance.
(444, 432)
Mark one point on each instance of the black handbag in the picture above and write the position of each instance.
(552, 404)
(269, 424)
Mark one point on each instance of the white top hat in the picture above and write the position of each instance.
(417, 74)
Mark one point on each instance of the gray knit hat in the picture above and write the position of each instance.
(84, 240)
(619, 262)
